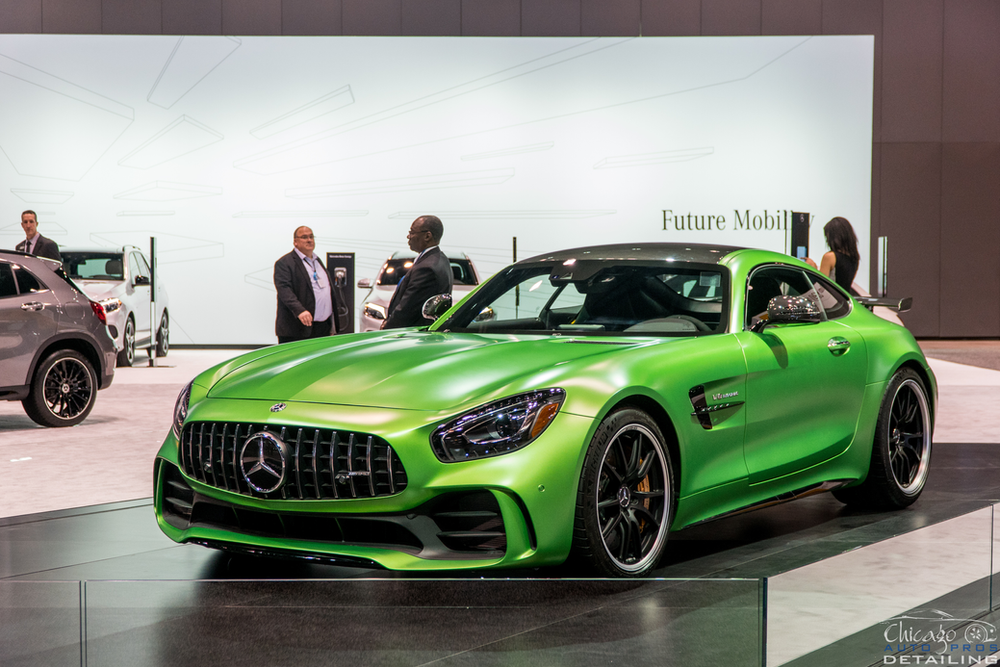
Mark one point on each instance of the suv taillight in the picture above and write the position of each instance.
(99, 311)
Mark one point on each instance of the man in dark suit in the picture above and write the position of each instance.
(305, 300)
(34, 243)
(429, 276)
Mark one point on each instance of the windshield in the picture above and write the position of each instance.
(94, 265)
(395, 269)
(599, 298)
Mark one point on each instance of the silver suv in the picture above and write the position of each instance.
(55, 349)
(119, 280)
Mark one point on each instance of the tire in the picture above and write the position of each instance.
(163, 336)
(127, 354)
(901, 451)
(63, 390)
(625, 498)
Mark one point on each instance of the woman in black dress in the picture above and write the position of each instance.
(841, 263)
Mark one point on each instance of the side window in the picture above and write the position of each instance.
(26, 282)
(833, 301)
(143, 265)
(7, 285)
(394, 271)
(769, 282)
(133, 267)
(461, 272)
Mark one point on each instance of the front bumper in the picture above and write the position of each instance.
(515, 510)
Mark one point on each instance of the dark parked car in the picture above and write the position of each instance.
(55, 349)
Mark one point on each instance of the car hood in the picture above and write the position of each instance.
(99, 289)
(407, 370)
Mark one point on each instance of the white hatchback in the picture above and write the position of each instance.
(120, 280)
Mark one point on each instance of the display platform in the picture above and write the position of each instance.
(102, 586)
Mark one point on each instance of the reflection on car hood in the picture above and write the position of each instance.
(408, 370)
(99, 289)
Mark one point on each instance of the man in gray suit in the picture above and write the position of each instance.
(429, 276)
(34, 243)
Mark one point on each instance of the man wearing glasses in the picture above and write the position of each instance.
(429, 276)
(305, 300)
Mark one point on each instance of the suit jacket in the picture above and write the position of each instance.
(44, 247)
(429, 276)
(295, 294)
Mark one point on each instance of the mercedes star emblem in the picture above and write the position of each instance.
(278, 407)
(263, 462)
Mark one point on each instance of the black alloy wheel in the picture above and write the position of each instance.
(63, 390)
(908, 437)
(163, 336)
(901, 451)
(127, 354)
(625, 499)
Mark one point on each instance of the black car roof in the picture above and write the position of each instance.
(700, 253)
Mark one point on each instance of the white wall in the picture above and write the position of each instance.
(221, 146)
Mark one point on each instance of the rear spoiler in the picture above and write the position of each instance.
(898, 305)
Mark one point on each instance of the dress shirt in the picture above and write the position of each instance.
(320, 281)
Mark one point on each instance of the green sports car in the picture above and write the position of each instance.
(578, 405)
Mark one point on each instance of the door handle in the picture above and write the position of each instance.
(838, 345)
(33, 305)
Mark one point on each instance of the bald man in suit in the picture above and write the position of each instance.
(306, 303)
(429, 276)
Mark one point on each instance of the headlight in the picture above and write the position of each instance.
(375, 311)
(111, 305)
(497, 428)
(181, 409)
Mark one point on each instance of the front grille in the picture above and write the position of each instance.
(461, 525)
(324, 464)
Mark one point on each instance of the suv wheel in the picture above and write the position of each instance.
(127, 354)
(63, 390)
(163, 336)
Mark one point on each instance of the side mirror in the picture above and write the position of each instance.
(788, 310)
(436, 306)
(365, 283)
(485, 315)
(141, 280)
